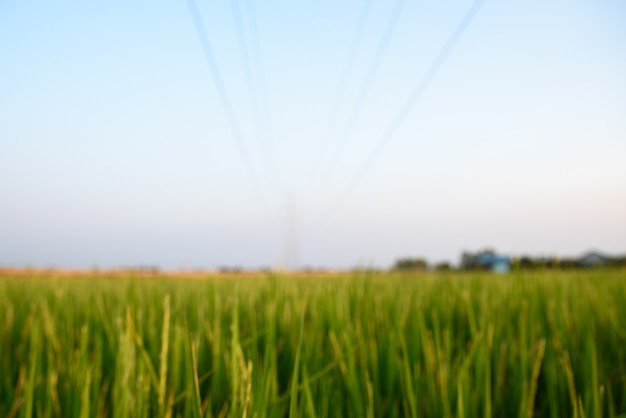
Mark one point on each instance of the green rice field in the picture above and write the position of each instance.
(544, 344)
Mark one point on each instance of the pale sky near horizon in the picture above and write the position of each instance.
(116, 148)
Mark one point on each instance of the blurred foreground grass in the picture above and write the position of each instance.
(545, 344)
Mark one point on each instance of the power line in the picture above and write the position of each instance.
(364, 91)
(260, 105)
(417, 92)
(291, 260)
(343, 81)
(225, 102)
(245, 54)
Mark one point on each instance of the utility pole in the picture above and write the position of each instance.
(291, 240)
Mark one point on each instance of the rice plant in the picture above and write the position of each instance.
(545, 344)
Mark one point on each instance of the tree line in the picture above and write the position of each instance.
(485, 260)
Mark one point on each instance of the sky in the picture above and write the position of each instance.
(201, 133)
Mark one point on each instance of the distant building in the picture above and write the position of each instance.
(486, 260)
(594, 259)
(494, 262)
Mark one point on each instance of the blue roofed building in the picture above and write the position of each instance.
(494, 262)
(486, 260)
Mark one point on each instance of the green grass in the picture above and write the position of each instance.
(544, 344)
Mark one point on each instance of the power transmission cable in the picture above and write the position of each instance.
(251, 86)
(225, 102)
(245, 53)
(257, 58)
(343, 82)
(417, 92)
(365, 89)
(259, 71)
(291, 260)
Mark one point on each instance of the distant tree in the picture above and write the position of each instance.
(527, 263)
(468, 261)
(230, 270)
(548, 262)
(410, 264)
(619, 262)
(568, 263)
(443, 266)
(471, 261)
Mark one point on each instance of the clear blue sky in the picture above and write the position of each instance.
(116, 148)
